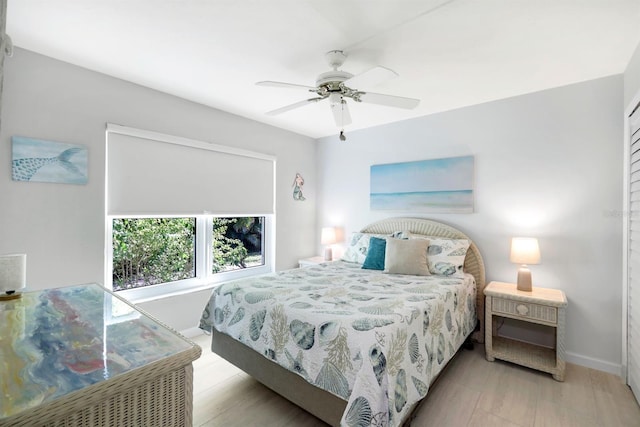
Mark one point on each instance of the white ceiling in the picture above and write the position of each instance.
(448, 53)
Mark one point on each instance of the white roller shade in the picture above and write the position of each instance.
(633, 272)
(155, 174)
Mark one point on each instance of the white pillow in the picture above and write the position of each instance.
(446, 256)
(357, 247)
(406, 257)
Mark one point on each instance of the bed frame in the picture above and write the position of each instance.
(318, 402)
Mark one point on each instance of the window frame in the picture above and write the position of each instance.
(204, 278)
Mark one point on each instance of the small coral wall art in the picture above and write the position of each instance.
(36, 160)
(298, 183)
(435, 186)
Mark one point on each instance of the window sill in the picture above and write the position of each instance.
(169, 290)
(137, 298)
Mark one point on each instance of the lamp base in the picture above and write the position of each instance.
(524, 279)
(328, 254)
(9, 296)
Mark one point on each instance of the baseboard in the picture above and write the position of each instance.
(589, 362)
(192, 332)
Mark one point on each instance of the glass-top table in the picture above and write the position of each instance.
(57, 342)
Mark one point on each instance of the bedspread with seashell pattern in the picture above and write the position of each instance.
(376, 340)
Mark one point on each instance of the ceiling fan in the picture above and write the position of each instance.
(338, 86)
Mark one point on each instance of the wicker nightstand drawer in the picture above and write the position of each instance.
(525, 310)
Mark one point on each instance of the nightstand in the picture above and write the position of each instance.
(306, 262)
(541, 305)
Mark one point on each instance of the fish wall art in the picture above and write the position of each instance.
(36, 160)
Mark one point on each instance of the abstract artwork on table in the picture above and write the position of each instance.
(58, 341)
(434, 186)
(48, 161)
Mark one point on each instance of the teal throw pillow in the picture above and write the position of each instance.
(375, 254)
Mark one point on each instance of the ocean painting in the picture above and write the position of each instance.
(36, 160)
(434, 186)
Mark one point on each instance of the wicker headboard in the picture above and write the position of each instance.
(473, 263)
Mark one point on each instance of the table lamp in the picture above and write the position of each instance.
(328, 238)
(13, 274)
(524, 251)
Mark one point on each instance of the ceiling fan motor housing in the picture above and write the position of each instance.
(332, 78)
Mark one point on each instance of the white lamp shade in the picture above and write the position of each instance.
(13, 272)
(328, 236)
(525, 250)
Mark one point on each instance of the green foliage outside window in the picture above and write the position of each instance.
(149, 251)
(237, 243)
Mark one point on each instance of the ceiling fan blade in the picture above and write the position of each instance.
(287, 85)
(341, 114)
(293, 106)
(370, 78)
(389, 100)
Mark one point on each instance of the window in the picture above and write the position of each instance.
(165, 255)
(182, 214)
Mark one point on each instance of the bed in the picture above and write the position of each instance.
(352, 346)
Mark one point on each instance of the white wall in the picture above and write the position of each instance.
(632, 78)
(548, 165)
(61, 227)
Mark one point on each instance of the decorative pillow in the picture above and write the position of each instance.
(357, 247)
(375, 254)
(446, 256)
(404, 235)
(406, 257)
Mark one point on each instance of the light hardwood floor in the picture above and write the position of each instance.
(470, 392)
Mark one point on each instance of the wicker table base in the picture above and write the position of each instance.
(149, 400)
